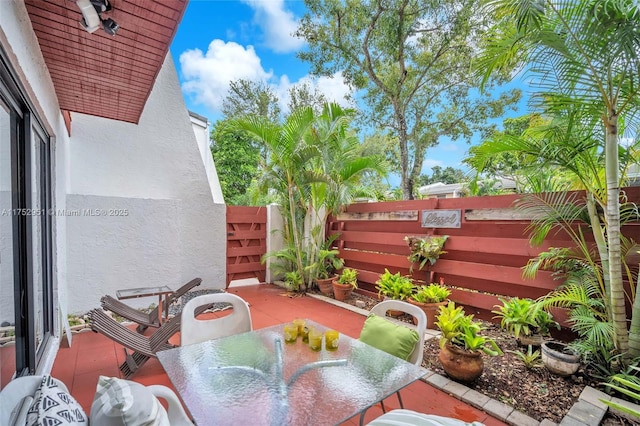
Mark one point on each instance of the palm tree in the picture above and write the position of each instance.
(314, 167)
(288, 153)
(585, 54)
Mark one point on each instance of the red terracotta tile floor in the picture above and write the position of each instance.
(92, 355)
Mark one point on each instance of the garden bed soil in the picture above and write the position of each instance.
(533, 391)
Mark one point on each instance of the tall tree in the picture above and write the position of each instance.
(303, 95)
(412, 59)
(247, 97)
(237, 155)
(447, 175)
(584, 56)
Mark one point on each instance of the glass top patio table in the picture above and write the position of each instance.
(237, 380)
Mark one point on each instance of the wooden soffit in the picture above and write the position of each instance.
(102, 75)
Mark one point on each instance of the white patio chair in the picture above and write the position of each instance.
(418, 350)
(194, 330)
(381, 309)
(413, 418)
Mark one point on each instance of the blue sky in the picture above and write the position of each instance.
(219, 41)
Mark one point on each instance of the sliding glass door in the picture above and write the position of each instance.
(26, 247)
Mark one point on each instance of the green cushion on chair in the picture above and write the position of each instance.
(394, 339)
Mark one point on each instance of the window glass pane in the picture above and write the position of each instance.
(7, 313)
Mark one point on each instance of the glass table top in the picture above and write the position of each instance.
(238, 380)
(130, 293)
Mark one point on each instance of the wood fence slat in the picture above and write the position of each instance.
(486, 254)
(245, 267)
(246, 242)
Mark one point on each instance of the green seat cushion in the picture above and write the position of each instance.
(392, 338)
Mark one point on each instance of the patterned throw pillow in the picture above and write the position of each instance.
(53, 406)
(119, 402)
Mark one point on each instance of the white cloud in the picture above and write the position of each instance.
(207, 76)
(277, 23)
(334, 88)
(428, 163)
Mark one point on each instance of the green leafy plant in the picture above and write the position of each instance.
(461, 330)
(293, 280)
(328, 263)
(626, 384)
(394, 286)
(531, 359)
(524, 316)
(425, 250)
(432, 293)
(349, 276)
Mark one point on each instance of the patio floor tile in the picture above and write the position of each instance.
(92, 355)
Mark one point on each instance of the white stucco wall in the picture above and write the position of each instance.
(201, 130)
(174, 230)
(143, 166)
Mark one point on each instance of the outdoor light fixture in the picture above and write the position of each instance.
(91, 20)
(110, 26)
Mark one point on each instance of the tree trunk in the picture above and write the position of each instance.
(634, 330)
(619, 317)
(406, 182)
(601, 243)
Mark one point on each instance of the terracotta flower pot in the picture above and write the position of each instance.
(431, 310)
(324, 285)
(393, 312)
(461, 365)
(341, 291)
(559, 359)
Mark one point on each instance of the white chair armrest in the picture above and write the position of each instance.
(177, 415)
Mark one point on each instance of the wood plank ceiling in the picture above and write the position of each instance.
(98, 74)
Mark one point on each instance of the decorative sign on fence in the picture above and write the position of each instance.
(441, 218)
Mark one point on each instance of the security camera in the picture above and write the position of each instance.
(110, 26)
(90, 18)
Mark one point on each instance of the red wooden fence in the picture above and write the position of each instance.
(246, 242)
(484, 256)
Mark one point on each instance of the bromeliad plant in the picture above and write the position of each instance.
(349, 276)
(524, 316)
(394, 286)
(461, 330)
(426, 250)
(432, 293)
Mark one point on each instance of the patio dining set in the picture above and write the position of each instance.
(227, 373)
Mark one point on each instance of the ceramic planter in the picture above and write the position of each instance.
(559, 358)
(431, 310)
(341, 291)
(461, 365)
(324, 285)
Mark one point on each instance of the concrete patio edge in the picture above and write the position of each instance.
(587, 411)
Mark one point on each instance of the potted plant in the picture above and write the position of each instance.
(559, 358)
(293, 280)
(430, 298)
(461, 345)
(394, 286)
(425, 251)
(345, 284)
(327, 264)
(525, 319)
